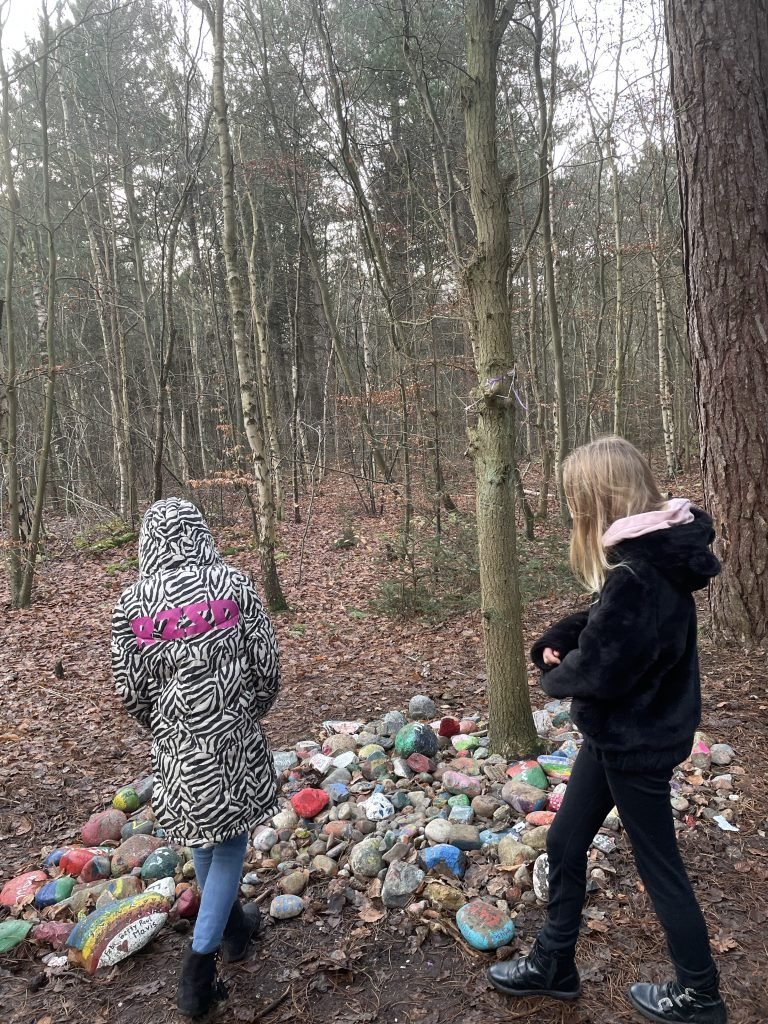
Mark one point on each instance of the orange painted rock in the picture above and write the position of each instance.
(540, 817)
(104, 827)
(22, 886)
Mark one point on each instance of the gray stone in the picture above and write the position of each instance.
(392, 723)
(294, 883)
(287, 818)
(722, 754)
(401, 882)
(397, 852)
(465, 837)
(284, 759)
(485, 805)
(325, 865)
(512, 853)
(422, 708)
(537, 838)
(438, 830)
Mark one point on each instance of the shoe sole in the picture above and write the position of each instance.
(566, 997)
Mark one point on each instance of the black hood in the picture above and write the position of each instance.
(681, 553)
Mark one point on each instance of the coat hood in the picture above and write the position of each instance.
(681, 553)
(173, 534)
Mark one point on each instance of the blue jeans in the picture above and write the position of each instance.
(218, 869)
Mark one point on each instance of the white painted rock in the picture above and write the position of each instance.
(541, 878)
(378, 808)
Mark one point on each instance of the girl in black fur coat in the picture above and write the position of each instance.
(630, 666)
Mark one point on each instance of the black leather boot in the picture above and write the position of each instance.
(242, 926)
(670, 1003)
(538, 974)
(199, 987)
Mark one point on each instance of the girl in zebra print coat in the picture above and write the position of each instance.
(195, 661)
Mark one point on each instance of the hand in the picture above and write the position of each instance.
(551, 657)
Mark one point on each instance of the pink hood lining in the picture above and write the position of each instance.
(676, 512)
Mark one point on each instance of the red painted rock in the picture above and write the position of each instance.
(187, 905)
(133, 852)
(104, 827)
(309, 802)
(449, 727)
(52, 933)
(22, 886)
(419, 763)
(540, 817)
(76, 858)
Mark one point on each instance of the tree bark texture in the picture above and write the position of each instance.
(719, 73)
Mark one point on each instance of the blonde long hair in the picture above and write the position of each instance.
(604, 480)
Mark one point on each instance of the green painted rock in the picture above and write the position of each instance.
(459, 800)
(416, 738)
(529, 772)
(12, 933)
(133, 852)
(465, 742)
(126, 799)
(162, 863)
(54, 892)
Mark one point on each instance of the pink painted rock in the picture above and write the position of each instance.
(309, 802)
(524, 798)
(467, 725)
(449, 727)
(555, 801)
(133, 852)
(17, 889)
(419, 763)
(187, 905)
(104, 827)
(52, 933)
(540, 817)
(458, 782)
(465, 765)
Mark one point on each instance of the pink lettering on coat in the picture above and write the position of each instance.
(185, 622)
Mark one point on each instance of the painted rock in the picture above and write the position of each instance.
(524, 798)
(187, 905)
(345, 760)
(143, 788)
(445, 859)
(161, 863)
(17, 889)
(113, 933)
(126, 799)
(54, 892)
(119, 888)
(54, 857)
(512, 852)
(561, 719)
(368, 751)
(284, 760)
(104, 827)
(378, 808)
(339, 744)
(465, 765)
(416, 738)
(52, 933)
(463, 743)
(309, 802)
(95, 869)
(462, 815)
(344, 728)
(137, 827)
(458, 782)
(422, 707)
(321, 763)
(375, 768)
(76, 858)
(529, 772)
(555, 800)
(484, 926)
(444, 897)
(468, 725)
(701, 755)
(306, 749)
(284, 907)
(557, 769)
(419, 763)
(337, 791)
(541, 878)
(366, 859)
(400, 883)
(449, 727)
(540, 817)
(13, 932)
(133, 852)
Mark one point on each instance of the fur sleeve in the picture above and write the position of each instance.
(618, 645)
(561, 637)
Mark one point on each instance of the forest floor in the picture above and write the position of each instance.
(66, 746)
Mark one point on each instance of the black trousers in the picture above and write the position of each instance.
(643, 803)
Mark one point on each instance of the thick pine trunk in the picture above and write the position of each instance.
(719, 72)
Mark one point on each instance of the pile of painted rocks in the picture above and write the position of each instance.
(405, 813)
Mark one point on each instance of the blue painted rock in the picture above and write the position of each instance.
(109, 935)
(484, 926)
(119, 888)
(96, 869)
(53, 858)
(13, 932)
(161, 863)
(17, 889)
(284, 760)
(54, 892)
(561, 718)
(284, 907)
(529, 772)
(52, 933)
(337, 791)
(458, 782)
(126, 799)
(104, 827)
(144, 789)
(445, 859)
(133, 852)
(416, 738)
(524, 798)
(137, 827)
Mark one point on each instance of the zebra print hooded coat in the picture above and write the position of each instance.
(195, 660)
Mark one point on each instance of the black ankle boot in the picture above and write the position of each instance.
(199, 988)
(538, 974)
(671, 1003)
(242, 926)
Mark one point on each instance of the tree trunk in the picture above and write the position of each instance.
(512, 733)
(719, 77)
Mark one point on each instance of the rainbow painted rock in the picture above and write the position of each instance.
(556, 768)
(17, 889)
(104, 827)
(529, 772)
(133, 852)
(54, 892)
(13, 932)
(97, 868)
(52, 933)
(113, 933)
(120, 888)
(126, 799)
(161, 863)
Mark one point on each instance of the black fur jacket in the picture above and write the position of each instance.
(630, 662)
